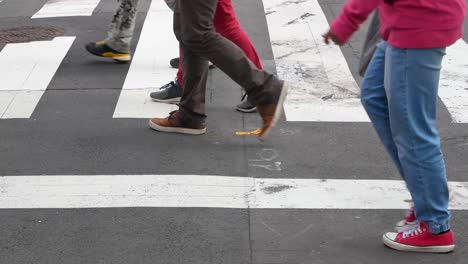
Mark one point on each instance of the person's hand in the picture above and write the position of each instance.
(331, 36)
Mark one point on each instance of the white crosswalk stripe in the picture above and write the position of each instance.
(324, 88)
(30, 67)
(453, 88)
(98, 191)
(150, 66)
(65, 8)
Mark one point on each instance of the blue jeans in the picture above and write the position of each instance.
(399, 93)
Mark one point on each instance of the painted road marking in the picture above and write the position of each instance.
(323, 88)
(150, 67)
(30, 67)
(66, 8)
(102, 191)
(453, 88)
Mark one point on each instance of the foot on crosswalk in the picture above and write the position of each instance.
(175, 63)
(246, 106)
(101, 49)
(420, 239)
(408, 222)
(169, 93)
(178, 122)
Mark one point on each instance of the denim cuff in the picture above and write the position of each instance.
(437, 228)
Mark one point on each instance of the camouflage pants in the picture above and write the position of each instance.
(123, 24)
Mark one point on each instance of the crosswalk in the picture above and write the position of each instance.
(324, 88)
(321, 189)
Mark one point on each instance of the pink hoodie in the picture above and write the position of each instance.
(406, 23)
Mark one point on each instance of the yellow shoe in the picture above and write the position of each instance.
(101, 49)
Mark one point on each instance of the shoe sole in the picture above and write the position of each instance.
(243, 110)
(176, 66)
(430, 249)
(278, 111)
(188, 131)
(168, 101)
(124, 58)
(117, 57)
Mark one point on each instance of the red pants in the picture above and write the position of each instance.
(227, 25)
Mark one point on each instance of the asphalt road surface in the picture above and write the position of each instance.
(85, 181)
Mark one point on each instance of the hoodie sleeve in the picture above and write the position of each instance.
(354, 13)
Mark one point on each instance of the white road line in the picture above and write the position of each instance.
(30, 67)
(454, 82)
(150, 67)
(324, 89)
(102, 191)
(66, 8)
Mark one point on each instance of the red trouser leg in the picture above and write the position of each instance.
(180, 71)
(226, 24)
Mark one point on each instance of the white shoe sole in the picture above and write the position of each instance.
(168, 101)
(180, 130)
(402, 247)
(251, 110)
(278, 111)
(122, 59)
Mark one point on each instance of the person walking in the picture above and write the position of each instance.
(117, 45)
(199, 42)
(399, 93)
(227, 25)
(119, 38)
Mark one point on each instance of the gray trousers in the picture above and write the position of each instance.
(199, 42)
(121, 31)
(370, 45)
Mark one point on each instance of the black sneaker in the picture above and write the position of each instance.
(101, 49)
(169, 93)
(175, 63)
(246, 106)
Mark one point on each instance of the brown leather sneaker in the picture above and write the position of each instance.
(270, 113)
(178, 122)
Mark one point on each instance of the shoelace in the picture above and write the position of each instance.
(413, 231)
(243, 97)
(167, 86)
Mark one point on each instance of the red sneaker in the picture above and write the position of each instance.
(408, 222)
(420, 239)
